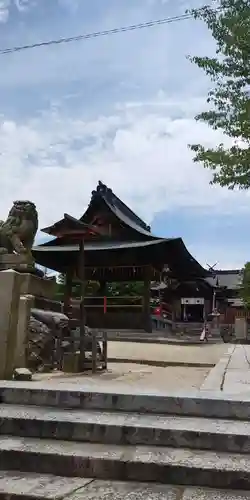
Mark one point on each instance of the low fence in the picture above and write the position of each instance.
(232, 312)
(109, 303)
(110, 312)
(64, 343)
(114, 313)
(119, 312)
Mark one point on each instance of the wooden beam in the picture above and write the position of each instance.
(146, 300)
(67, 292)
(81, 274)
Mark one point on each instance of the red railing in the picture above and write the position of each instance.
(163, 310)
(106, 303)
(130, 302)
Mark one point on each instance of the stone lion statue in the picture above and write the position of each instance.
(18, 232)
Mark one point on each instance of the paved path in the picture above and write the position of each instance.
(237, 371)
(202, 353)
(231, 375)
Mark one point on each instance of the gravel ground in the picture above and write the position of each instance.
(169, 378)
(136, 376)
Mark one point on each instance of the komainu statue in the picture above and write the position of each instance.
(18, 232)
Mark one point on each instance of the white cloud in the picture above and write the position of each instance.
(138, 147)
(4, 10)
(140, 151)
(21, 6)
(70, 5)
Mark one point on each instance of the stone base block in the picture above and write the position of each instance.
(16, 262)
(40, 287)
(71, 362)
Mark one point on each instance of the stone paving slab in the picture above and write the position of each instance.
(125, 428)
(236, 378)
(215, 378)
(231, 375)
(38, 486)
(237, 382)
(211, 494)
(33, 486)
(238, 359)
(107, 490)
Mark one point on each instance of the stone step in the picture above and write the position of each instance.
(89, 397)
(134, 463)
(123, 428)
(32, 486)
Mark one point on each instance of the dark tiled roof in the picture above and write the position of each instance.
(229, 278)
(122, 211)
(173, 251)
(104, 245)
(67, 219)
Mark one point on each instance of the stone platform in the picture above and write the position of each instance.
(199, 440)
(165, 446)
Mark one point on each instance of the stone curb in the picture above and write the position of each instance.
(163, 364)
(166, 341)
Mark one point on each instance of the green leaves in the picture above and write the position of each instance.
(245, 289)
(230, 95)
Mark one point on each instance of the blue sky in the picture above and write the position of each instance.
(120, 109)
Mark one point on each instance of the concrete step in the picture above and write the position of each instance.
(32, 486)
(123, 428)
(133, 463)
(89, 397)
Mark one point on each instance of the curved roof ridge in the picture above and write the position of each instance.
(113, 199)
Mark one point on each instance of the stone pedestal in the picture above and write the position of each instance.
(240, 328)
(37, 286)
(16, 262)
(10, 286)
(71, 362)
(26, 303)
(17, 292)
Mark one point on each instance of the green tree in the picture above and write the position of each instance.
(91, 288)
(245, 288)
(230, 96)
(125, 289)
(60, 283)
(119, 289)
